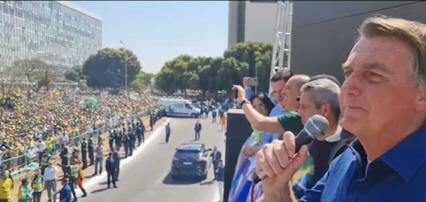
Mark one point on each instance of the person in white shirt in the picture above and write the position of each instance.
(64, 140)
(41, 146)
(49, 177)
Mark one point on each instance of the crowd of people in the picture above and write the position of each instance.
(48, 116)
(56, 123)
(372, 149)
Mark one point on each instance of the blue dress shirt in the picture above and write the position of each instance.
(275, 112)
(397, 176)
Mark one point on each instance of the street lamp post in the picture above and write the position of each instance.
(125, 69)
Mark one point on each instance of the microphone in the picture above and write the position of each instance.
(314, 128)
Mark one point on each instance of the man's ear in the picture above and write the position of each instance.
(325, 110)
(421, 99)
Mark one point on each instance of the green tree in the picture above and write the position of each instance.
(107, 68)
(212, 74)
(262, 52)
(231, 72)
(166, 81)
(142, 81)
(178, 74)
(74, 74)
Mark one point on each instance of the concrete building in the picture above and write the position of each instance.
(324, 32)
(251, 21)
(59, 33)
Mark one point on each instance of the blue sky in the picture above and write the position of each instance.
(159, 31)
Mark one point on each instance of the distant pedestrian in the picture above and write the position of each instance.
(206, 112)
(151, 121)
(111, 139)
(49, 177)
(168, 131)
(73, 173)
(116, 158)
(140, 133)
(37, 185)
(84, 153)
(91, 150)
(64, 158)
(132, 140)
(220, 178)
(6, 185)
(65, 192)
(197, 129)
(25, 192)
(214, 114)
(216, 157)
(117, 139)
(110, 169)
(126, 145)
(99, 158)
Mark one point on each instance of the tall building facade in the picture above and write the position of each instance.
(252, 21)
(56, 32)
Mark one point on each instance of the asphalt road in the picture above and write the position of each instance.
(144, 177)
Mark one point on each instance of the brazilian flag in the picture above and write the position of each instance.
(92, 104)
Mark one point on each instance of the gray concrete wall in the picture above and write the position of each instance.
(323, 32)
(260, 21)
(232, 23)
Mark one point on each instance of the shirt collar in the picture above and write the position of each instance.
(333, 138)
(409, 155)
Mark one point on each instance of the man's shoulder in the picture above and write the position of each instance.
(291, 121)
(289, 114)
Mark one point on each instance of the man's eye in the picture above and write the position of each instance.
(347, 73)
(374, 77)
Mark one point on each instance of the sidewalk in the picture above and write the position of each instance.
(89, 171)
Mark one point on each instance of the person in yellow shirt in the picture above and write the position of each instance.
(6, 185)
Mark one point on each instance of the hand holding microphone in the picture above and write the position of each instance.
(287, 156)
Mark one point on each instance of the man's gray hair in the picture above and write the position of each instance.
(412, 33)
(324, 91)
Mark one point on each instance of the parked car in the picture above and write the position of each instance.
(190, 160)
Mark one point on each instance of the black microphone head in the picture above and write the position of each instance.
(316, 126)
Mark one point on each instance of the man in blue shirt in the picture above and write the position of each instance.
(383, 100)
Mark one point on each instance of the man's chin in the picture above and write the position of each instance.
(351, 124)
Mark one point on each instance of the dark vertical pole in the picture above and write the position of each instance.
(237, 132)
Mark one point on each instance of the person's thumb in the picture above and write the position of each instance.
(296, 163)
(285, 177)
(299, 159)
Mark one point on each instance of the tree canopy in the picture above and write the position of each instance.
(107, 68)
(213, 74)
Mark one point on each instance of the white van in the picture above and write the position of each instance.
(179, 107)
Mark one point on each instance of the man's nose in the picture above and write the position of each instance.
(351, 86)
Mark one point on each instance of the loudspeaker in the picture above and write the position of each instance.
(238, 130)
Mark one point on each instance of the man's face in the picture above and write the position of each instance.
(307, 107)
(290, 94)
(277, 87)
(379, 89)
